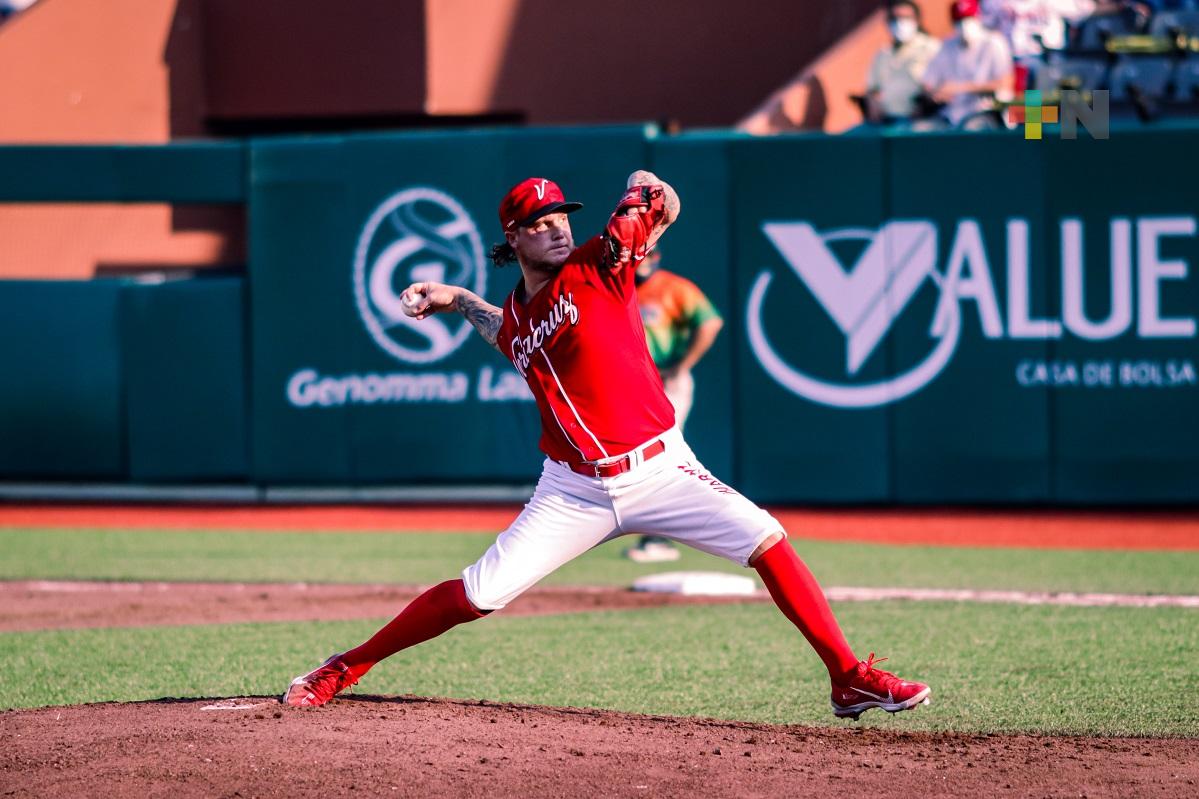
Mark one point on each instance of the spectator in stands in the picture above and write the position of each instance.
(1171, 5)
(1033, 26)
(972, 68)
(10, 7)
(895, 76)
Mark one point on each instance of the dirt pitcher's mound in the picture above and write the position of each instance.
(372, 746)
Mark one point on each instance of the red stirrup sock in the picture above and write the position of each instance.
(428, 616)
(801, 600)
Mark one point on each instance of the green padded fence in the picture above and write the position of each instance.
(963, 319)
(61, 414)
(110, 380)
(910, 319)
(187, 406)
(345, 392)
(186, 172)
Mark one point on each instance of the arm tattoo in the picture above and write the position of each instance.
(671, 198)
(485, 317)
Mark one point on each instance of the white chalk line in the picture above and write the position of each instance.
(233, 704)
(1083, 600)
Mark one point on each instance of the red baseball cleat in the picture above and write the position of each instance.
(870, 687)
(319, 685)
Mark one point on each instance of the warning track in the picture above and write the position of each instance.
(1173, 530)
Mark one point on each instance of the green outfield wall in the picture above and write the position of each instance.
(183, 347)
(61, 414)
(910, 319)
(112, 380)
(346, 390)
(183, 172)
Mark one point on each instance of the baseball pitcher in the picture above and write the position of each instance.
(615, 460)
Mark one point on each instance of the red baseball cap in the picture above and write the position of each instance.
(963, 8)
(532, 199)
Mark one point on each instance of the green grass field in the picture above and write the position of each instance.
(994, 668)
(431, 557)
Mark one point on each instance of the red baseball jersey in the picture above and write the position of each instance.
(580, 344)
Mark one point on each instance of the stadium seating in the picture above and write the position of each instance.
(1094, 32)
(1073, 72)
(1172, 23)
(1150, 74)
(1145, 54)
(1139, 60)
(1186, 80)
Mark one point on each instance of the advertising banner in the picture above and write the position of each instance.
(699, 247)
(909, 319)
(966, 428)
(346, 389)
(947, 318)
(812, 401)
(1123, 373)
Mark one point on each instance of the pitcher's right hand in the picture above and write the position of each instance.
(421, 300)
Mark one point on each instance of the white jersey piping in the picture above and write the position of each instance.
(550, 405)
(563, 429)
(573, 410)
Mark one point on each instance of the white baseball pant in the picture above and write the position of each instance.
(671, 495)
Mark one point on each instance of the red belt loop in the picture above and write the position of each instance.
(618, 466)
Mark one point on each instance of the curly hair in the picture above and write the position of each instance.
(503, 254)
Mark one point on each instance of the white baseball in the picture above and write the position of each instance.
(411, 301)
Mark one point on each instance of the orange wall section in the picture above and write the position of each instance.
(818, 97)
(701, 62)
(98, 72)
(152, 70)
(149, 71)
(59, 241)
(103, 72)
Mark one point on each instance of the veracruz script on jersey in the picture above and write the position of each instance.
(580, 345)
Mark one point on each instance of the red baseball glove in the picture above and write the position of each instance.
(628, 234)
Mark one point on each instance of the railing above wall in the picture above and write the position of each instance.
(183, 172)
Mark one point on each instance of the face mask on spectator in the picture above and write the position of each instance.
(903, 29)
(970, 29)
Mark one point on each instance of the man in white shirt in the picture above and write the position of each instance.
(973, 66)
(895, 75)
(1033, 26)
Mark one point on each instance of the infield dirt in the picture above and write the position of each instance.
(406, 746)
(48, 605)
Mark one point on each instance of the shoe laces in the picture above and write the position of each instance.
(869, 674)
(331, 679)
